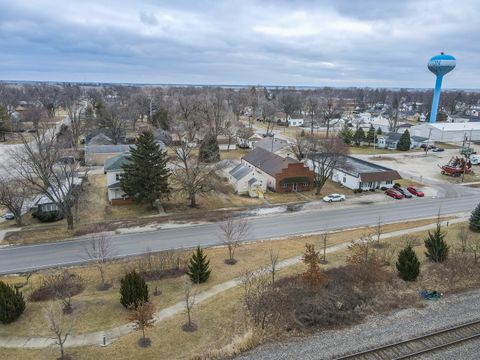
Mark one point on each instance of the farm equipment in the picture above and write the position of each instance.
(456, 167)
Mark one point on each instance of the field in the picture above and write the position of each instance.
(220, 319)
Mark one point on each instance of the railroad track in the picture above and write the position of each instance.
(421, 344)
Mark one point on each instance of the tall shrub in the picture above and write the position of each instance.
(12, 303)
(199, 267)
(133, 290)
(408, 265)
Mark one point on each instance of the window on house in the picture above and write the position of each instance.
(305, 184)
(344, 179)
(389, 181)
(284, 185)
(118, 176)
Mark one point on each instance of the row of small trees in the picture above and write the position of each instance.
(358, 137)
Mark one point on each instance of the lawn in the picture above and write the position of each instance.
(369, 150)
(222, 318)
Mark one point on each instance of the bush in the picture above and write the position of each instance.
(437, 248)
(133, 290)
(49, 216)
(199, 267)
(12, 304)
(408, 265)
(475, 219)
(58, 286)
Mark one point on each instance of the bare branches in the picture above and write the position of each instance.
(232, 233)
(13, 196)
(100, 250)
(59, 325)
(142, 317)
(273, 257)
(189, 299)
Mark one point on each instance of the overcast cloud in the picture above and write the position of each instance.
(333, 43)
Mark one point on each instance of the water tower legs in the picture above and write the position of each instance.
(436, 99)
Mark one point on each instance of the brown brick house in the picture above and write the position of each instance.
(281, 174)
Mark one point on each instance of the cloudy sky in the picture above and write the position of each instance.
(384, 43)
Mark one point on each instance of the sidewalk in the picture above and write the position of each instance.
(97, 338)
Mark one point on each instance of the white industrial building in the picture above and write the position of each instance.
(447, 131)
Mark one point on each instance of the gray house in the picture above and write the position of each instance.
(390, 140)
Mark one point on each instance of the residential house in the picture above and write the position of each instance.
(249, 142)
(99, 147)
(280, 174)
(113, 168)
(226, 144)
(247, 180)
(295, 122)
(358, 174)
(390, 140)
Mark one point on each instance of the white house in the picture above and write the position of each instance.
(295, 122)
(246, 180)
(113, 168)
(358, 174)
(390, 140)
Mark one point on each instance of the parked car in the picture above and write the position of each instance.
(9, 216)
(394, 194)
(402, 191)
(415, 191)
(438, 149)
(429, 146)
(334, 197)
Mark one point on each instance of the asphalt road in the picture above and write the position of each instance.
(24, 258)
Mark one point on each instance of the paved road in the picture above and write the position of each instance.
(24, 258)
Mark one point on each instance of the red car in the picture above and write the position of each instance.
(414, 191)
(394, 194)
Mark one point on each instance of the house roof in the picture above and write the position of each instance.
(240, 171)
(100, 139)
(396, 137)
(267, 161)
(252, 181)
(116, 185)
(366, 170)
(107, 149)
(116, 163)
(271, 144)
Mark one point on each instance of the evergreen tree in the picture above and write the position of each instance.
(408, 265)
(379, 131)
(404, 142)
(437, 248)
(359, 136)
(209, 150)
(475, 219)
(346, 134)
(12, 304)
(370, 135)
(133, 290)
(145, 177)
(199, 267)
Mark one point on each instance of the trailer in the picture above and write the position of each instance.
(456, 167)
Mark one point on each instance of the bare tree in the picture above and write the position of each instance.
(311, 107)
(214, 111)
(325, 154)
(257, 297)
(324, 246)
(100, 250)
(232, 233)
(379, 230)
(474, 247)
(267, 114)
(290, 103)
(464, 235)
(38, 163)
(273, 257)
(193, 177)
(393, 115)
(71, 101)
(329, 111)
(189, 299)
(300, 146)
(13, 196)
(115, 117)
(143, 317)
(59, 325)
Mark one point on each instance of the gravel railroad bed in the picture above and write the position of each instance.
(381, 329)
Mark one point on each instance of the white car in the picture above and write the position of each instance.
(9, 216)
(334, 197)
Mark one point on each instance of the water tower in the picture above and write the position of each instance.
(439, 65)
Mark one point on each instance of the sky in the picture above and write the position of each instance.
(375, 43)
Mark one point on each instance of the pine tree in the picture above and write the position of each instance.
(199, 267)
(370, 135)
(437, 248)
(379, 131)
(475, 219)
(133, 290)
(12, 304)
(404, 142)
(346, 134)
(408, 265)
(359, 136)
(209, 150)
(145, 177)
